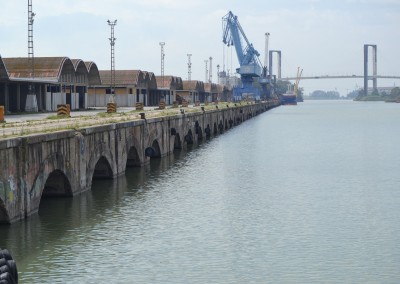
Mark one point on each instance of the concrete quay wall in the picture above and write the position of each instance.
(64, 163)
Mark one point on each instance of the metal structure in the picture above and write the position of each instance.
(247, 55)
(31, 57)
(162, 44)
(189, 67)
(112, 39)
(298, 77)
(266, 49)
(206, 64)
(218, 73)
(374, 68)
(210, 71)
(31, 100)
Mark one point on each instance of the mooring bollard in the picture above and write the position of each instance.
(142, 115)
(1, 113)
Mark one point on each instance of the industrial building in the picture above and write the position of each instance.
(61, 80)
(56, 80)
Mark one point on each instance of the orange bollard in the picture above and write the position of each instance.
(1, 113)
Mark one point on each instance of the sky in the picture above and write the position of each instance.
(323, 37)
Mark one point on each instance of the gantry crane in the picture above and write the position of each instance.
(250, 64)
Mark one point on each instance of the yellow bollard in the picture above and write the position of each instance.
(62, 110)
(111, 107)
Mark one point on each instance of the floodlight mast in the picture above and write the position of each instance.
(162, 44)
(112, 39)
(189, 67)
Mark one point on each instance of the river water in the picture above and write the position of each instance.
(299, 194)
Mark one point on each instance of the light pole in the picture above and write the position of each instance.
(112, 39)
(206, 64)
(218, 72)
(162, 63)
(31, 101)
(189, 67)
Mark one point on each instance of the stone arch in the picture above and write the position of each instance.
(156, 146)
(133, 159)
(131, 142)
(215, 130)
(102, 169)
(155, 135)
(189, 137)
(177, 141)
(99, 153)
(56, 166)
(4, 218)
(154, 150)
(57, 185)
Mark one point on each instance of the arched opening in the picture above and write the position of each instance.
(221, 127)
(208, 131)
(57, 185)
(156, 148)
(133, 159)
(102, 170)
(153, 151)
(189, 137)
(177, 142)
(3, 214)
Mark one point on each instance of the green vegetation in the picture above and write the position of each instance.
(322, 95)
(58, 116)
(375, 96)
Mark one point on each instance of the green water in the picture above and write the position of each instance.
(300, 194)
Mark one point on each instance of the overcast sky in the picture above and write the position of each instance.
(321, 36)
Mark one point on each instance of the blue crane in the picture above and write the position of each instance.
(250, 64)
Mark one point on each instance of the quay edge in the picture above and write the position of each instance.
(64, 163)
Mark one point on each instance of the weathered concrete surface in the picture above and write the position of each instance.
(65, 163)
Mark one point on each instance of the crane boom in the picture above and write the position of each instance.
(247, 55)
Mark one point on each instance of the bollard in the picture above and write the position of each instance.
(1, 113)
(142, 115)
(62, 109)
(111, 107)
(139, 106)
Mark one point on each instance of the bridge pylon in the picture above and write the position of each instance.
(374, 68)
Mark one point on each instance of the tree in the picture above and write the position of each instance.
(282, 87)
(395, 92)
